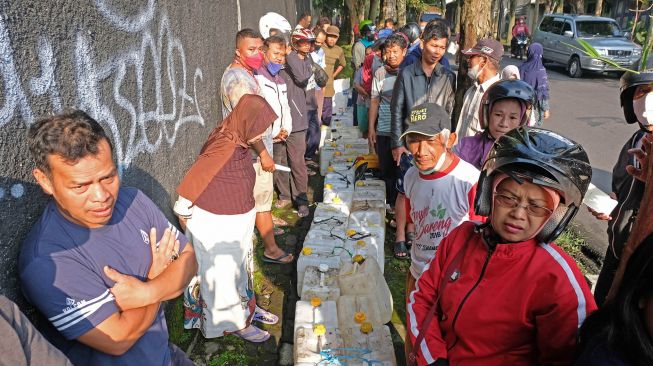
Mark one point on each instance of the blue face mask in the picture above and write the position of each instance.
(274, 68)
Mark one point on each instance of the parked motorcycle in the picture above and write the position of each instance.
(522, 46)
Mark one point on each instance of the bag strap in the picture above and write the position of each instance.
(450, 275)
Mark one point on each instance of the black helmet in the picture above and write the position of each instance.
(506, 89)
(367, 29)
(412, 31)
(549, 160)
(627, 85)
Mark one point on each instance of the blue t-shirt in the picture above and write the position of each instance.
(61, 272)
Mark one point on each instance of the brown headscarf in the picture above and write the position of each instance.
(249, 119)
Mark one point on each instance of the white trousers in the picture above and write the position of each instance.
(224, 250)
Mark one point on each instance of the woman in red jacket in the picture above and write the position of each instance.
(501, 293)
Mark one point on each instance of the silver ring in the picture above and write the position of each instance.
(174, 256)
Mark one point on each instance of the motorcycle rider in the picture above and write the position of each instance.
(520, 28)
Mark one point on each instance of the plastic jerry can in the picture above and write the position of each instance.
(314, 256)
(307, 315)
(370, 184)
(326, 153)
(371, 247)
(309, 345)
(366, 279)
(349, 306)
(366, 218)
(339, 197)
(378, 341)
(321, 282)
(328, 210)
(327, 234)
(340, 178)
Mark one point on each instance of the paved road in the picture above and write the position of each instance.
(587, 110)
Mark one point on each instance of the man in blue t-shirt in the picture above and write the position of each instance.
(92, 263)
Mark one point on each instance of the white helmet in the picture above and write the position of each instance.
(273, 21)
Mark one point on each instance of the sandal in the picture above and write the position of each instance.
(264, 316)
(281, 204)
(252, 334)
(410, 237)
(311, 173)
(303, 211)
(400, 250)
(278, 260)
(393, 224)
(277, 221)
(312, 164)
(279, 231)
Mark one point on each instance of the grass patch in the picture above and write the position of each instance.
(572, 243)
(175, 320)
(234, 353)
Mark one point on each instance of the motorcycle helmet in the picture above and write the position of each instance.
(412, 31)
(303, 34)
(503, 89)
(368, 31)
(273, 20)
(546, 158)
(627, 85)
(364, 23)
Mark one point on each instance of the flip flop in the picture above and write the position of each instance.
(264, 316)
(277, 260)
(277, 221)
(252, 334)
(400, 248)
(281, 203)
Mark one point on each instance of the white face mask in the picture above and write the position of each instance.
(643, 108)
(475, 71)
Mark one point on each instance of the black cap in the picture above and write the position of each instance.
(428, 119)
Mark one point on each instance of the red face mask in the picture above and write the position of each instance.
(255, 61)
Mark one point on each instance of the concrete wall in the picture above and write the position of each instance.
(149, 71)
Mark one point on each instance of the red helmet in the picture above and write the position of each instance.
(303, 34)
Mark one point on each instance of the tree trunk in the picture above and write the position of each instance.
(443, 6)
(513, 7)
(401, 12)
(354, 15)
(496, 18)
(458, 11)
(599, 8)
(374, 9)
(579, 6)
(389, 9)
(476, 23)
(536, 16)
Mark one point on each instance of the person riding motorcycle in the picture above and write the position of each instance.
(520, 28)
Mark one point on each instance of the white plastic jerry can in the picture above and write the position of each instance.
(351, 307)
(314, 256)
(366, 279)
(311, 342)
(316, 311)
(321, 282)
(378, 341)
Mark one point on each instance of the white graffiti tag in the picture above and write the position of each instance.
(140, 114)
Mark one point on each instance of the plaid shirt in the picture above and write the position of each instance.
(468, 124)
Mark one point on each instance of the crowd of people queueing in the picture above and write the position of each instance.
(478, 203)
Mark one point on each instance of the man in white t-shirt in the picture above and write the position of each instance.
(440, 187)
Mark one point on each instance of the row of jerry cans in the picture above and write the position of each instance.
(342, 151)
(350, 328)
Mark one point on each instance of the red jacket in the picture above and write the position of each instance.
(521, 304)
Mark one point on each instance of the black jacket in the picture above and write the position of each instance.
(412, 88)
(297, 73)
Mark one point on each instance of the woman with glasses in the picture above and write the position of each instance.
(501, 293)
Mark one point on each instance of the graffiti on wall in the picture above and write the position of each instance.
(153, 91)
